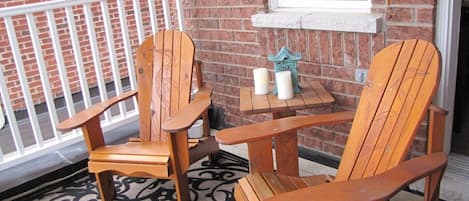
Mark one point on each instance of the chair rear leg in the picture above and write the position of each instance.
(432, 186)
(182, 187)
(105, 185)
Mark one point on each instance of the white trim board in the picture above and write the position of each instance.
(447, 41)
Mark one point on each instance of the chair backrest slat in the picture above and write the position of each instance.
(164, 80)
(401, 82)
(144, 69)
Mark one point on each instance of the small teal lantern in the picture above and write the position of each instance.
(284, 61)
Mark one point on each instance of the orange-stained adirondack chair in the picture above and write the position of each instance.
(164, 66)
(397, 94)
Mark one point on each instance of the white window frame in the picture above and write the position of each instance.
(356, 5)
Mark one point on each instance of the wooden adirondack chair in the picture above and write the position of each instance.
(401, 82)
(164, 66)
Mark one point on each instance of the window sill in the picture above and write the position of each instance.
(329, 21)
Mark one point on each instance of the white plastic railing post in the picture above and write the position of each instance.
(43, 74)
(112, 53)
(12, 123)
(60, 63)
(127, 48)
(180, 14)
(166, 13)
(96, 59)
(78, 58)
(23, 82)
(153, 18)
(138, 21)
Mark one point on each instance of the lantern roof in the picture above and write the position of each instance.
(284, 54)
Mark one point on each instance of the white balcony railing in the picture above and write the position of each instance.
(81, 52)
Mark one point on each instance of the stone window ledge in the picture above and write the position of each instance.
(328, 21)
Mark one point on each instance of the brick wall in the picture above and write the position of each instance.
(29, 60)
(230, 48)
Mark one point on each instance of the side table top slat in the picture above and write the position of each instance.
(313, 94)
(325, 96)
(310, 96)
(260, 103)
(245, 102)
(276, 104)
(296, 102)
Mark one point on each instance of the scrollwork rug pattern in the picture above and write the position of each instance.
(207, 181)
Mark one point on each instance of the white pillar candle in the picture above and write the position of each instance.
(284, 85)
(261, 81)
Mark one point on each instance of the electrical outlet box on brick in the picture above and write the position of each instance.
(360, 75)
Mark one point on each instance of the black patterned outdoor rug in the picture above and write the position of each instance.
(207, 181)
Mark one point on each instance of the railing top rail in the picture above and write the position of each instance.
(40, 7)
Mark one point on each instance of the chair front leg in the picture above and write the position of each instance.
(260, 156)
(432, 186)
(179, 156)
(105, 185)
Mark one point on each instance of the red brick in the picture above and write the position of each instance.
(245, 36)
(415, 2)
(325, 47)
(349, 101)
(235, 70)
(313, 46)
(346, 87)
(280, 39)
(425, 15)
(292, 40)
(337, 48)
(350, 50)
(409, 32)
(200, 12)
(338, 72)
(333, 149)
(377, 43)
(364, 50)
(253, 2)
(228, 2)
(323, 135)
(231, 24)
(309, 69)
(247, 25)
(262, 37)
(303, 45)
(399, 14)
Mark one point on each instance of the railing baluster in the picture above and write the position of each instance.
(180, 14)
(112, 53)
(12, 123)
(166, 13)
(126, 40)
(23, 81)
(77, 54)
(96, 58)
(127, 48)
(153, 17)
(138, 21)
(60, 63)
(43, 74)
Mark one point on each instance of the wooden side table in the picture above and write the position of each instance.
(312, 94)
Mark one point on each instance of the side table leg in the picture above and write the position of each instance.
(286, 149)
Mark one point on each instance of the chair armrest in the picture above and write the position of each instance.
(186, 116)
(203, 93)
(379, 187)
(84, 116)
(269, 129)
